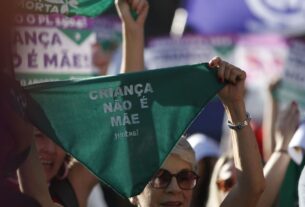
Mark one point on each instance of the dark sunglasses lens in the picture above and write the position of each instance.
(162, 179)
(187, 180)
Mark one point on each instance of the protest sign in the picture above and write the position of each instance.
(292, 87)
(261, 56)
(52, 47)
(168, 52)
(66, 7)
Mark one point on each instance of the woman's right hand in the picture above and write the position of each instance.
(233, 92)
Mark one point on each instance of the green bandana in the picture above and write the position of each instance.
(67, 7)
(123, 127)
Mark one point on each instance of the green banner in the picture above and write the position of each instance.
(122, 127)
(67, 7)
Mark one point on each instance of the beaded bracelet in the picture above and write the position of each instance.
(240, 125)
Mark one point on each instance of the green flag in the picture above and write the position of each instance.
(66, 7)
(122, 127)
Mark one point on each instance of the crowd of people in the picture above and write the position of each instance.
(34, 171)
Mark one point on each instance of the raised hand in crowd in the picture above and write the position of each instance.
(269, 119)
(275, 168)
(133, 14)
(287, 124)
(249, 175)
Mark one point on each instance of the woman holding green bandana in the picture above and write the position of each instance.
(173, 184)
(224, 174)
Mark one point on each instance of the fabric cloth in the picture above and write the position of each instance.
(122, 127)
(296, 146)
(96, 198)
(301, 189)
(66, 7)
(62, 192)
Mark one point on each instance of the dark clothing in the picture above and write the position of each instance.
(9, 162)
(13, 198)
(62, 192)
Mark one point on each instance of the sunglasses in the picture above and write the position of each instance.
(186, 179)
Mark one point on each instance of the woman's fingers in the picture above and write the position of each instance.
(227, 71)
(235, 74)
(140, 6)
(294, 115)
(217, 64)
(289, 121)
(135, 4)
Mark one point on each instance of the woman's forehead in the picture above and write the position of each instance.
(174, 164)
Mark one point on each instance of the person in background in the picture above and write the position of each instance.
(100, 58)
(70, 183)
(206, 152)
(224, 174)
(161, 190)
(165, 190)
(16, 151)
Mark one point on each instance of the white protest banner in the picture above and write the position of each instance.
(261, 56)
(293, 83)
(167, 52)
(52, 47)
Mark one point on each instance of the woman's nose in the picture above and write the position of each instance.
(173, 186)
(45, 144)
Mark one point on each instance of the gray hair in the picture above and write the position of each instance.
(184, 150)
